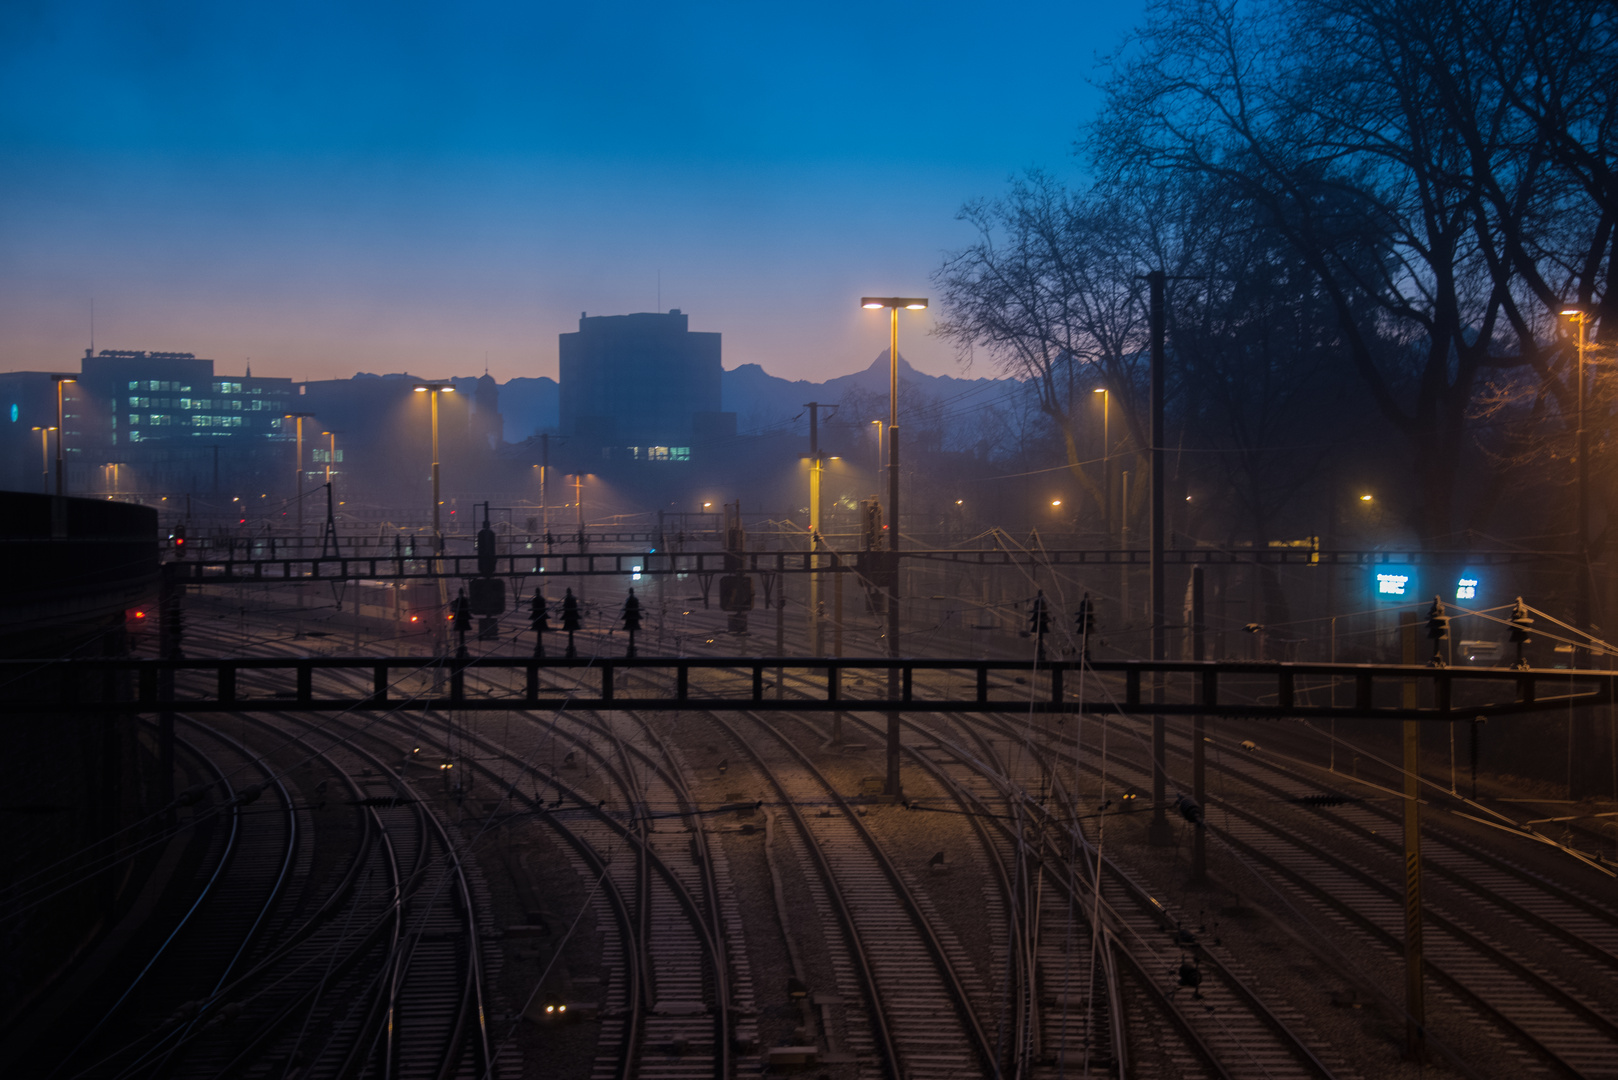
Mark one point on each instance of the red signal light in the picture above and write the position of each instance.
(415, 618)
(140, 614)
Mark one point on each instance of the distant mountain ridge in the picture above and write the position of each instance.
(761, 401)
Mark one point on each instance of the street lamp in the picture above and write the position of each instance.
(432, 390)
(299, 417)
(45, 457)
(331, 454)
(1581, 524)
(1106, 457)
(893, 304)
(59, 380)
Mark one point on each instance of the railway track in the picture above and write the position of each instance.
(1055, 994)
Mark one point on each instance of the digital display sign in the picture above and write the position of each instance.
(1395, 583)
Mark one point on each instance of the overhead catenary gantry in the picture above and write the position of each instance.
(1213, 689)
(230, 571)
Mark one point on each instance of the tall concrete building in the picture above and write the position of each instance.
(642, 387)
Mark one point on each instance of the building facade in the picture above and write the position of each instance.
(642, 386)
(139, 423)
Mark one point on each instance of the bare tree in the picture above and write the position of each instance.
(1050, 291)
(1394, 147)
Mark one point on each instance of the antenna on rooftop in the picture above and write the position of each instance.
(92, 326)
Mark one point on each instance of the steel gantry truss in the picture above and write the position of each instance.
(601, 564)
(1229, 689)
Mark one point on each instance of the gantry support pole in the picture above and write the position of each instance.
(1159, 832)
(1415, 1004)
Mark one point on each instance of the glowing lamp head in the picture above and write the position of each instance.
(1365, 498)
(874, 305)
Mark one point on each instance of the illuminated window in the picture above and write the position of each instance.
(134, 419)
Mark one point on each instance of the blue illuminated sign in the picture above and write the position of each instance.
(13, 412)
(1397, 583)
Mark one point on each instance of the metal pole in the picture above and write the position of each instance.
(1160, 832)
(299, 421)
(1106, 459)
(816, 623)
(1581, 594)
(1415, 1006)
(892, 786)
(60, 486)
(1199, 790)
(438, 533)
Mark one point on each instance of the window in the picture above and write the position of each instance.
(133, 419)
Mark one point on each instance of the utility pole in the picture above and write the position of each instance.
(816, 620)
(298, 419)
(891, 786)
(1199, 754)
(544, 474)
(62, 423)
(1415, 1003)
(1160, 832)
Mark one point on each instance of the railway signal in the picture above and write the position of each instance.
(539, 622)
(631, 620)
(1437, 631)
(1039, 622)
(461, 616)
(1520, 622)
(570, 621)
(1086, 620)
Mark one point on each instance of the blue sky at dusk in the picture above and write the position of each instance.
(328, 188)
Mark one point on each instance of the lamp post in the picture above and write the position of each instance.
(893, 304)
(878, 426)
(45, 458)
(1106, 458)
(60, 380)
(432, 390)
(1581, 513)
(331, 453)
(299, 418)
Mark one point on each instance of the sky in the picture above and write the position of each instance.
(325, 188)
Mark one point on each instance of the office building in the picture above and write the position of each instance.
(642, 387)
